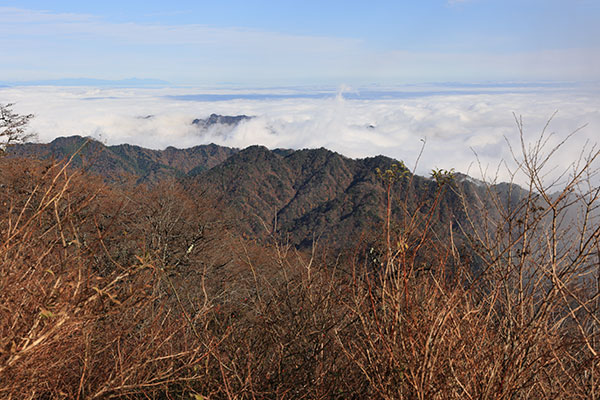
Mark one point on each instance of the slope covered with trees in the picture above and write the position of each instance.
(298, 196)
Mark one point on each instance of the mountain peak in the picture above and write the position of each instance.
(217, 119)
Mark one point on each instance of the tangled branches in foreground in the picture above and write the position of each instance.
(107, 294)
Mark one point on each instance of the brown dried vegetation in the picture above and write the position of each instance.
(135, 292)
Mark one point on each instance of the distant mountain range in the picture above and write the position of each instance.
(296, 195)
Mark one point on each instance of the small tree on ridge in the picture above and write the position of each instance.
(13, 127)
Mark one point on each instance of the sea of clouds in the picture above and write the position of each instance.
(462, 127)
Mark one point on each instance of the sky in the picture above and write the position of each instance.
(269, 43)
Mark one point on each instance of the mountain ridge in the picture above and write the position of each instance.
(293, 195)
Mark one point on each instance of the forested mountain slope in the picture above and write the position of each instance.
(294, 195)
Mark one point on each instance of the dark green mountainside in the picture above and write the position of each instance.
(313, 194)
(298, 196)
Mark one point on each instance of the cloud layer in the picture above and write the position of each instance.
(455, 128)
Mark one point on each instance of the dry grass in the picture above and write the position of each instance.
(110, 292)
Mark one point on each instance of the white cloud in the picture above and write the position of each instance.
(453, 125)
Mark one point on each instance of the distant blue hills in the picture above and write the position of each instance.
(129, 82)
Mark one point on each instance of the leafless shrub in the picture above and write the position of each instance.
(114, 292)
(518, 316)
(69, 326)
(13, 127)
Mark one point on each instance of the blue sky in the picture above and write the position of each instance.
(302, 42)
